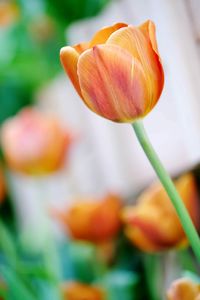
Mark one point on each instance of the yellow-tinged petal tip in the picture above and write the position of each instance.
(69, 58)
(122, 83)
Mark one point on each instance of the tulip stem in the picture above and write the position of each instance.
(167, 183)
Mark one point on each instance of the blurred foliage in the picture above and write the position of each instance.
(27, 276)
(31, 35)
(71, 10)
(30, 44)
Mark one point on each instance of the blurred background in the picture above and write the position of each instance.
(95, 157)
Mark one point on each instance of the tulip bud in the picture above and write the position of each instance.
(184, 289)
(96, 221)
(9, 13)
(34, 143)
(118, 74)
(152, 224)
(79, 291)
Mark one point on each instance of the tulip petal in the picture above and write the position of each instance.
(143, 227)
(188, 191)
(183, 289)
(69, 59)
(103, 34)
(112, 83)
(135, 42)
(154, 206)
(81, 47)
(79, 291)
(149, 30)
(139, 238)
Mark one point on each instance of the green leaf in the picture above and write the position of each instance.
(17, 290)
(154, 275)
(7, 245)
(121, 285)
(85, 262)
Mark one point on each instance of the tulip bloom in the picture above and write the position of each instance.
(34, 143)
(152, 224)
(184, 289)
(96, 221)
(118, 74)
(9, 13)
(79, 291)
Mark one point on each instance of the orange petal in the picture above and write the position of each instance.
(81, 47)
(188, 191)
(183, 289)
(80, 291)
(103, 34)
(135, 42)
(107, 214)
(149, 30)
(144, 220)
(112, 83)
(154, 206)
(69, 59)
(138, 238)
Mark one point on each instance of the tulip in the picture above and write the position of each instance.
(152, 224)
(118, 74)
(34, 143)
(90, 220)
(184, 289)
(79, 291)
(9, 13)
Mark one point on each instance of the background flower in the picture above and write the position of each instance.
(91, 220)
(184, 289)
(152, 224)
(34, 143)
(79, 291)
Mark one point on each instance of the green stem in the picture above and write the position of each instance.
(167, 183)
(153, 271)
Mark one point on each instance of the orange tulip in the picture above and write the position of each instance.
(184, 289)
(152, 224)
(118, 74)
(9, 13)
(79, 291)
(96, 221)
(34, 143)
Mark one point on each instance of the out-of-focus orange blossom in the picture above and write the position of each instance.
(152, 224)
(92, 220)
(34, 143)
(184, 289)
(80, 291)
(9, 12)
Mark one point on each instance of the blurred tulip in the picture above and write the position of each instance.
(9, 12)
(118, 74)
(152, 224)
(96, 221)
(42, 28)
(34, 143)
(184, 289)
(79, 291)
